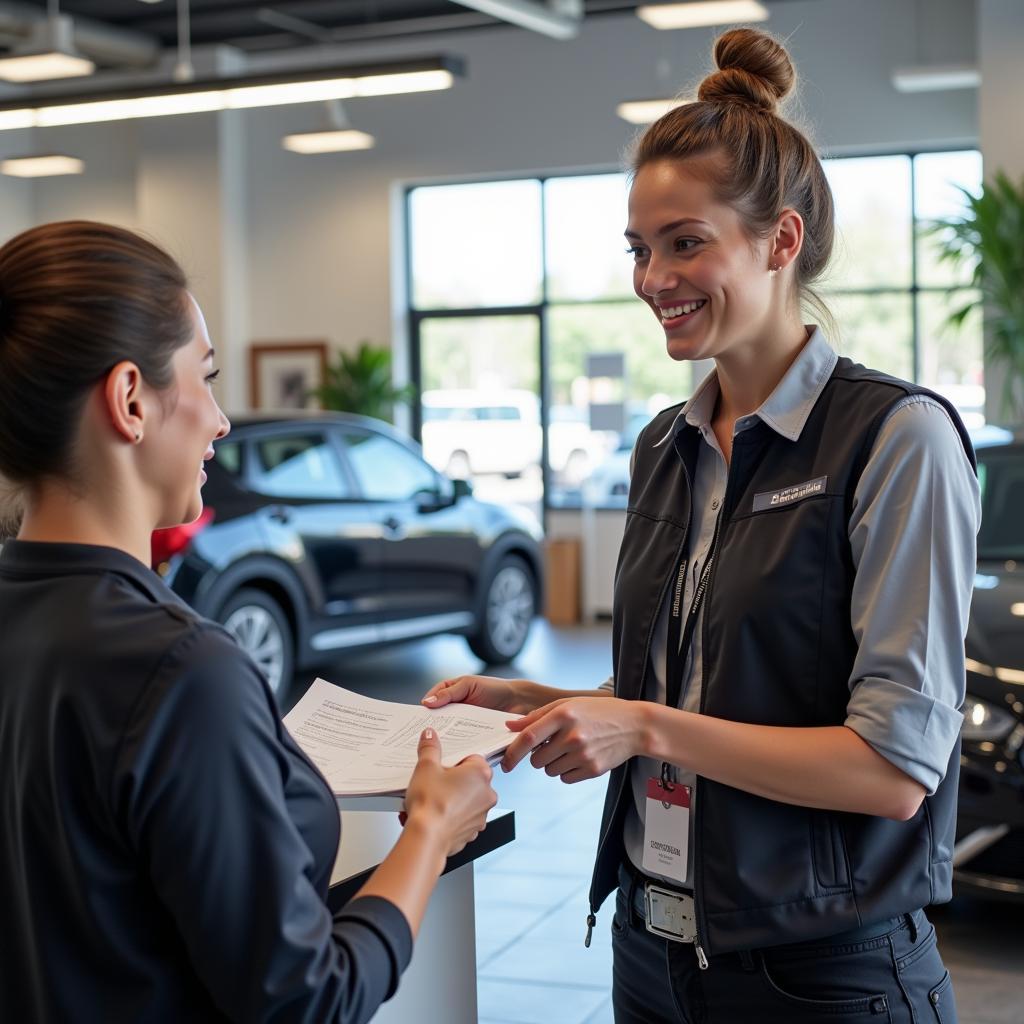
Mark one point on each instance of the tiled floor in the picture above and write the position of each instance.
(531, 896)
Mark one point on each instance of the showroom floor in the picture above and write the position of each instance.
(531, 897)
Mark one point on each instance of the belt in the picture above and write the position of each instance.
(634, 882)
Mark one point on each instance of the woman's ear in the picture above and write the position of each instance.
(788, 239)
(122, 393)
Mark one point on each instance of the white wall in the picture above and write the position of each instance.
(289, 247)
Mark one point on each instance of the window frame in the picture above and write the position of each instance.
(416, 317)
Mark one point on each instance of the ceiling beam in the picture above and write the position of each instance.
(559, 19)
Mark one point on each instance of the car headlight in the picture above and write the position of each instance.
(984, 721)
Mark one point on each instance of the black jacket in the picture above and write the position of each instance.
(165, 847)
(778, 650)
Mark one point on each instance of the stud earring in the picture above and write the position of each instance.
(138, 436)
(772, 271)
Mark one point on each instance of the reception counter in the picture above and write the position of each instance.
(439, 986)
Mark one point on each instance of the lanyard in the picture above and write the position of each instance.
(680, 627)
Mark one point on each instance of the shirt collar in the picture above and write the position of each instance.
(786, 409)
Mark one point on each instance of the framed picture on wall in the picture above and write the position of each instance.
(282, 373)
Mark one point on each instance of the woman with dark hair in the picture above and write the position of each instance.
(165, 847)
(791, 597)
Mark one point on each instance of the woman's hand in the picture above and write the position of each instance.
(579, 738)
(483, 691)
(450, 801)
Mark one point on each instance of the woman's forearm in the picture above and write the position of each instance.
(531, 695)
(829, 767)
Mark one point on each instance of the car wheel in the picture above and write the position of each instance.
(261, 628)
(508, 611)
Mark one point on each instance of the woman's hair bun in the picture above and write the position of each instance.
(752, 68)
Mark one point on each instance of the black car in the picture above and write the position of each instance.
(989, 852)
(326, 533)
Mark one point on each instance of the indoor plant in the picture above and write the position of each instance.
(988, 239)
(360, 382)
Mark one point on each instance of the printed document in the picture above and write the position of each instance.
(367, 747)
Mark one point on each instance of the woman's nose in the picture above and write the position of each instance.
(658, 277)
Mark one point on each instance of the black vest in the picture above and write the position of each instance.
(778, 650)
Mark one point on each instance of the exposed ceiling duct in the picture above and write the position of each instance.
(105, 44)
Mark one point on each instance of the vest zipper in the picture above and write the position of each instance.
(592, 916)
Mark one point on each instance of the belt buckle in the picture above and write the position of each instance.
(669, 914)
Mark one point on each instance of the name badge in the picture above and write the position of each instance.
(789, 495)
(667, 830)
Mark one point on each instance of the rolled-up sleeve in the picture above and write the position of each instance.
(913, 531)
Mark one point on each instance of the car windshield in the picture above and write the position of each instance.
(1001, 474)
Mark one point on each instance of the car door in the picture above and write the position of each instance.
(430, 553)
(333, 536)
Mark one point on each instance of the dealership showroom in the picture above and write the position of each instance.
(403, 223)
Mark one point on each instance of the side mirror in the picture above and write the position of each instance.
(462, 489)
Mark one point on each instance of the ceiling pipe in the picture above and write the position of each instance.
(558, 19)
(102, 43)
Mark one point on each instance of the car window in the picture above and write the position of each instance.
(299, 466)
(387, 470)
(229, 456)
(1001, 474)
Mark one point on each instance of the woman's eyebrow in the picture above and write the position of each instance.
(666, 228)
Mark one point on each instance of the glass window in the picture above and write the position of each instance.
(938, 180)
(873, 222)
(387, 470)
(229, 456)
(476, 245)
(584, 219)
(951, 360)
(1002, 526)
(876, 330)
(481, 404)
(580, 456)
(299, 466)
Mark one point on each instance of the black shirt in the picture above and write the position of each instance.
(165, 847)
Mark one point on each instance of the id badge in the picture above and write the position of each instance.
(667, 830)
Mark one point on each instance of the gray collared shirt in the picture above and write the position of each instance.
(913, 529)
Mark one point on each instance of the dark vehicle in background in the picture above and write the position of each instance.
(326, 533)
(989, 852)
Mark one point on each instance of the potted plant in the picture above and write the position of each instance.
(988, 240)
(360, 382)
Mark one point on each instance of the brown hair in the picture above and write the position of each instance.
(77, 298)
(770, 165)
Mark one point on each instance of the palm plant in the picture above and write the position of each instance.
(360, 382)
(988, 240)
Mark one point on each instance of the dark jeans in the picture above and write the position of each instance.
(897, 977)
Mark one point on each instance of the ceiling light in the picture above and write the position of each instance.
(647, 111)
(333, 141)
(48, 53)
(276, 89)
(936, 77)
(41, 166)
(1017, 609)
(701, 12)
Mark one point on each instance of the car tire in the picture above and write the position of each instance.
(261, 628)
(508, 608)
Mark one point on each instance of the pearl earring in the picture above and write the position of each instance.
(138, 437)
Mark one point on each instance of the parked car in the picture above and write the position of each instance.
(468, 432)
(326, 533)
(989, 852)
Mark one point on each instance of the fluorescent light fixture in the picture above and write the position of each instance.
(936, 77)
(41, 166)
(333, 141)
(701, 12)
(647, 111)
(49, 53)
(305, 86)
(1017, 609)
